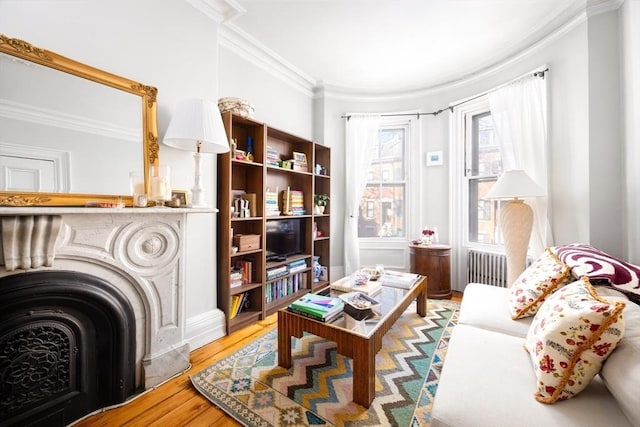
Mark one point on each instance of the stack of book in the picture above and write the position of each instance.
(297, 265)
(293, 202)
(275, 272)
(318, 307)
(271, 203)
(273, 157)
(236, 279)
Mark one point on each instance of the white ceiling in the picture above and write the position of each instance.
(382, 46)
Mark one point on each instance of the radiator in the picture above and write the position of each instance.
(488, 267)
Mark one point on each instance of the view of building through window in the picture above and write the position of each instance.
(483, 166)
(382, 207)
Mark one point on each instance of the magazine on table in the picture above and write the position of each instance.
(349, 284)
(399, 279)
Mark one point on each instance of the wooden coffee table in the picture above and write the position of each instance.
(358, 340)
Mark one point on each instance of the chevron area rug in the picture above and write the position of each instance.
(317, 390)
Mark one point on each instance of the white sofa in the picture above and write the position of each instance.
(488, 380)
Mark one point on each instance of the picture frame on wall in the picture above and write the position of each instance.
(434, 158)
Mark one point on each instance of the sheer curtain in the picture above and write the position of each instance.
(361, 135)
(519, 112)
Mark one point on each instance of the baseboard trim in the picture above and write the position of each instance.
(205, 328)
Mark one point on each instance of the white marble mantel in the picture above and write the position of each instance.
(141, 251)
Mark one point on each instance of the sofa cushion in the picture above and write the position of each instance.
(540, 279)
(585, 260)
(486, 381)
(487, 307)
(571, 335)
(621, 371)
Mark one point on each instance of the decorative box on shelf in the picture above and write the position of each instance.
(246, 242)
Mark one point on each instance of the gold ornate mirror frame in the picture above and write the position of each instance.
(21, 49)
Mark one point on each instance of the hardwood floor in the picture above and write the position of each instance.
(176, 402)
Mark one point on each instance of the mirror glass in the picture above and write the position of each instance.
(69, 132)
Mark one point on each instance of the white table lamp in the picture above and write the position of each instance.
(516, 217)
(197, 126)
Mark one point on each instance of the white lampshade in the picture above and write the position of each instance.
(514, 184)
(197, 121)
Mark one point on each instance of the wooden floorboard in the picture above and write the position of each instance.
(176, 402)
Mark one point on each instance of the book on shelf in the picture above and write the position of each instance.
(235, 279)
(271, 203)
(348, 284)
(276, 272)
(238, 302)
(273, 157)
(399, 279)
(320, 306)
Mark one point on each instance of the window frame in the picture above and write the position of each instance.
(408, 123)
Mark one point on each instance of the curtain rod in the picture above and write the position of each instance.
(451, 107)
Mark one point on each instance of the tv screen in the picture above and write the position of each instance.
(285, 237)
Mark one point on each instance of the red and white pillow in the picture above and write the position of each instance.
(538, 281)
(572, 334)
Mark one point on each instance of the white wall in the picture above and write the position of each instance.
(163, 43)
(585, 155)
(630, 46)
(277, 104)
(605, 135)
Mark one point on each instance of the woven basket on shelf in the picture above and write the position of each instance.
(237, 106)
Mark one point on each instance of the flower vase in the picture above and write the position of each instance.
(426, 240)
(317, 269)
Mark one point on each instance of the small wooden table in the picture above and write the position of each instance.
(358, 340)
(434, 262)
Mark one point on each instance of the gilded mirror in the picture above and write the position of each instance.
(79, 129)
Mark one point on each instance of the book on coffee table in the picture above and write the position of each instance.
(318, 306)
(399, 279)
(348, 284)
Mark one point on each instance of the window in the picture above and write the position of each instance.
(483, 165)
(383, 204)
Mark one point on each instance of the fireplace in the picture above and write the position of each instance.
(67, 347)
(84, 280)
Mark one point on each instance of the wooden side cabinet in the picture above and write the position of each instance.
(433, 261)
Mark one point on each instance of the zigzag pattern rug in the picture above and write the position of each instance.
(251, 387)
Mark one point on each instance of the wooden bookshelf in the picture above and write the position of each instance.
(252, 177)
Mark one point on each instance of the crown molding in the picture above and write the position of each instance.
(219, 10)
(246, 46)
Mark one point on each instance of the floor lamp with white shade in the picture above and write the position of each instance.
(197, 125)
(516, 217)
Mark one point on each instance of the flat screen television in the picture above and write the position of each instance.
(285, 237)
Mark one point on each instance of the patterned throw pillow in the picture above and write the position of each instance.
(585, 260)
(570, 337)
(539, 280)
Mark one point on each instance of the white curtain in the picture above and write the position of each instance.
(519, 112)
(361, 135)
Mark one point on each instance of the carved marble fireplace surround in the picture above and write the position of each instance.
(141, 253)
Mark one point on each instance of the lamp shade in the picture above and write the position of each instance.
(197, 121)
(514, 184)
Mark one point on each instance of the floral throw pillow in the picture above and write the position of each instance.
(532, 287)
(570, 337)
